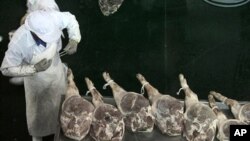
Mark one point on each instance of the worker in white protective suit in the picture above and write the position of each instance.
(33, 5)
(33, 52)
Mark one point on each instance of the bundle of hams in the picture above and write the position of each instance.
(134, 113)
(223, 121)
(135, 108)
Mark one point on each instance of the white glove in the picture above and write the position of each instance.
(42, 65)
(26, 70)
(71, 47)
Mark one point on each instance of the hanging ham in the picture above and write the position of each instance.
(109, 7)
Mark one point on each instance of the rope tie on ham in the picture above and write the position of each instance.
(89, 91)
(215, 107)
(182, 88)
(142, 88)
(107, 84)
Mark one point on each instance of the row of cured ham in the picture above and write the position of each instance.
(135, 113)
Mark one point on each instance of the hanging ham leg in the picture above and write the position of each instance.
(76, 115)
(223, 124)
(199, 119)
(167, 110)
(135, 107)
(241, 112)
(109, 7)
(107, 124)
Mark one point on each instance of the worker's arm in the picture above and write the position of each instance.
(68, 21)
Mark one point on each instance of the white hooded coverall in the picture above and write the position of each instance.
(43, 90)
(33, 5)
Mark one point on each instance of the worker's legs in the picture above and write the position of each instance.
(37, 138)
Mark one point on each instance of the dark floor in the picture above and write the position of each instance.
(158, 38)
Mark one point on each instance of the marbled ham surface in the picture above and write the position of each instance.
(76, 117)
(109, 7)
(107, 123)
(135, 107)
(154, 136)
(168, 113)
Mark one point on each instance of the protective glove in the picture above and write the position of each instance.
(22, 21)
(42, 65)
(71, 47)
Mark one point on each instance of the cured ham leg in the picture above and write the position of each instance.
(223, 124)
(199, 119)
(241, 112)
(77, 113)
(167, 110)
(135, 107)
(109, 7)
(107, 124)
